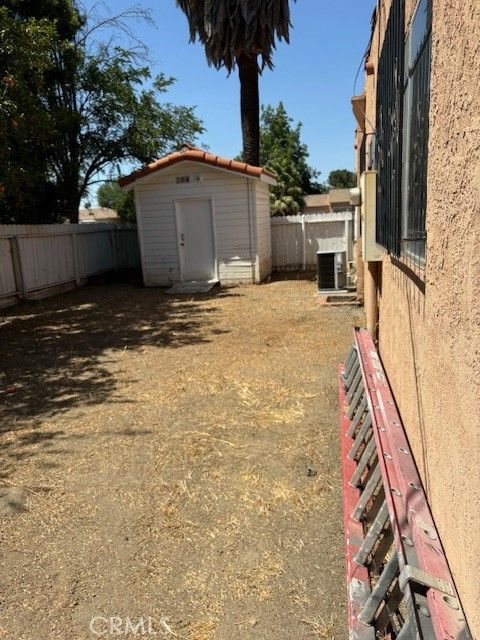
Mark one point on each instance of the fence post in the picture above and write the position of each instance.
(17, 267)
(304, 242)
(75, 258)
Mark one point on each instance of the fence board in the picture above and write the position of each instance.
(7, 274)
(297, 239)
(95, 253)
(324, 236)
(46, 261)
(50, 255)
(128, 251)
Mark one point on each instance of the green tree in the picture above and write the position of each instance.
(112, 196)
(24, 58)
(63, 15)
(30, 36)
(342, 179)
(236, 33)
(287, 197)
(118, 120)
(101, 106)
(282, 151)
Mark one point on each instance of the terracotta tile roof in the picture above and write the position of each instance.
(193, 154)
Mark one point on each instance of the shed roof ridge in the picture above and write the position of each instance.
(195, 154)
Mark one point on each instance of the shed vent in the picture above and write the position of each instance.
(187, 179)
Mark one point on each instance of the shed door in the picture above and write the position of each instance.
(195, 239)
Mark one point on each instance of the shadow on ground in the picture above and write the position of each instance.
(56, 352)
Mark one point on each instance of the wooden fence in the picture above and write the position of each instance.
(297, 239)
(38, 260)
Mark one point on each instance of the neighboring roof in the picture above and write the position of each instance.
(334, 196)
(192, 154)
(99, 214)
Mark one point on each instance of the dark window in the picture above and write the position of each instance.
(416, 102)
(403, 92)
(388, 130)
(363, 153)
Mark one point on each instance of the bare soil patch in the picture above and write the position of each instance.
(173, 459)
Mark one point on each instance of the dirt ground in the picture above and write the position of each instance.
(172, 463)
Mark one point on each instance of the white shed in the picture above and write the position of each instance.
(201, 217)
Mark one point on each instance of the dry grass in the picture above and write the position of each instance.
(159, 451)
(321, 629)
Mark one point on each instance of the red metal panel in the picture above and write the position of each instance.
(410, 514)
(358, 582)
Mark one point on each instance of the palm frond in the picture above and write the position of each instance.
(228, 28)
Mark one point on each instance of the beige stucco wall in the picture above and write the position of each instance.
(430, 342)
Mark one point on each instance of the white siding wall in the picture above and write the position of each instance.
(264, 234)
(156, 222)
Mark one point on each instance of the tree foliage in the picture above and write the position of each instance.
(342, 179)
(237, 33)
(24, 58)
(63, 15)
(282, 151)
(96, 109)
(112, 196)
(120, 119)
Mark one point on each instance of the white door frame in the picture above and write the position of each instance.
(177, 203)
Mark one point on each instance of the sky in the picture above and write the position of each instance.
(313, 75)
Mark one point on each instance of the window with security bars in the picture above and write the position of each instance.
(416, 102)
(403, 90)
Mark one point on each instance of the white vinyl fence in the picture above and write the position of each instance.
(35, 258)
(297, 239)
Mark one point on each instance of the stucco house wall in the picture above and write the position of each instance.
(430, 341)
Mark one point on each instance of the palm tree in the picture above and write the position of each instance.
(235, 33)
